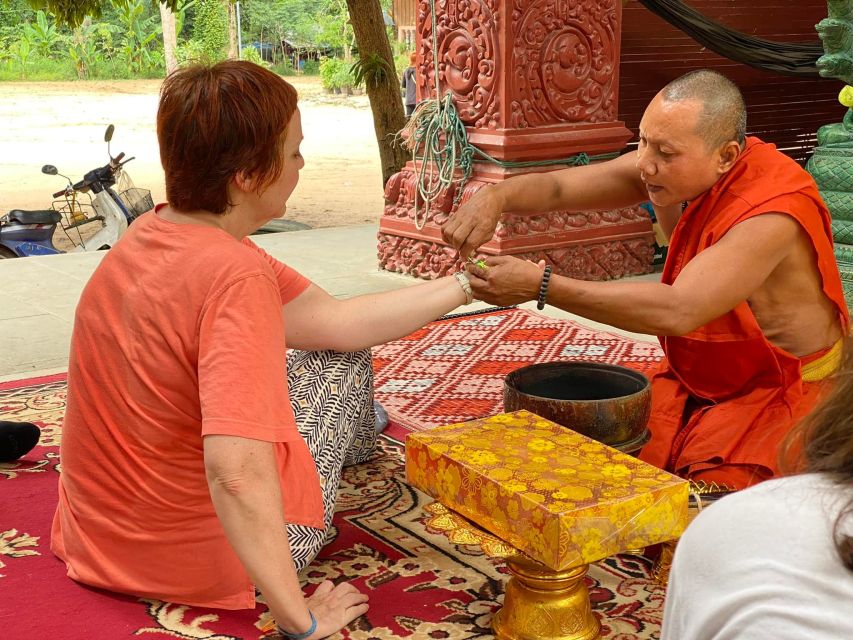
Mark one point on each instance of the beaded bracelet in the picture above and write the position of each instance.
(543, 288)
(465, 282)
(304, 634)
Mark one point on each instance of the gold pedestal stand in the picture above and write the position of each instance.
(541, 604)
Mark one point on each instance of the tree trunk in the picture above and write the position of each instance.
(232, 30)
(385, 102)
(170, 38)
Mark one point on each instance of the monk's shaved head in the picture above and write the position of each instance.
(723, 116)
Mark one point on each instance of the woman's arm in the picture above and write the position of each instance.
(315, 320)
(244, 488)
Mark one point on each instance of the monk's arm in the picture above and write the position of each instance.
(604, 185)
(714, 282)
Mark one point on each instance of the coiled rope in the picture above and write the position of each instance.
(436, 136)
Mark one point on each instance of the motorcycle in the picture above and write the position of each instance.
(105, 196)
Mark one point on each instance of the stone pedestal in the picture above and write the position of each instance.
(531, 80)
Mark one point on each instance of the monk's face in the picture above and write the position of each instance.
(675, 162)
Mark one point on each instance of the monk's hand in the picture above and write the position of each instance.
(506, 280)
(473, 223)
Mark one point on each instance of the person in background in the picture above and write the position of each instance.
(409, 84)
(776, 560)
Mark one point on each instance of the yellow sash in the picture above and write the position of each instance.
(824, 366)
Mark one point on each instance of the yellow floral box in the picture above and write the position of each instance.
(560, 497)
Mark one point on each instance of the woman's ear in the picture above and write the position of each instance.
(244, 182)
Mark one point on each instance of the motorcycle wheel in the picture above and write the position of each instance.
(7, 253)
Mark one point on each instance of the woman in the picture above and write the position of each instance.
(186, 446)
(776, 560)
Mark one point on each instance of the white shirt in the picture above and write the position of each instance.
(761, 564)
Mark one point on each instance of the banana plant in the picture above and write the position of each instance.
(138, 34)
(43, 34)
(21, 52)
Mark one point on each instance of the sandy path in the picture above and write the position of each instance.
(62, 123)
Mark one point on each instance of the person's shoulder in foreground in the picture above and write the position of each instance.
(761, 563)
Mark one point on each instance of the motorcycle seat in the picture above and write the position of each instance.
(44, 216)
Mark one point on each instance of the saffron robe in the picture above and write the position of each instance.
(725, 395)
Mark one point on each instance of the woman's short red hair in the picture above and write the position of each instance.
(216, 121)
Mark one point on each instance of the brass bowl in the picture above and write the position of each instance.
(605, 402)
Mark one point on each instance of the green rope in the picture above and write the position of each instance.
(437, 137)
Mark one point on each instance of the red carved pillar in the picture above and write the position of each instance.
(531, 80)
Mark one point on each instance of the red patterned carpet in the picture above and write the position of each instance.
(421, 585)
(453, 370)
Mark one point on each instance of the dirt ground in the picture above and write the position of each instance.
(62, 123)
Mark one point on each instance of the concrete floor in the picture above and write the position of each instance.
(39, 294)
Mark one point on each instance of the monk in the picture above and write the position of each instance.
(749, 311)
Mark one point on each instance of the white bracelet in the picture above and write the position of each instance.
(465, 283)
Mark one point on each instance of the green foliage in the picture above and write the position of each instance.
(283, 67)
(20, 53)
(88, 39)
(336, 74)
(40, 69)
(181, 14)
(139, 48)
(311, 67)
(371, 70)
(43, 34)
(189, 52)
(329, 68)
(210, 28)
(13, 13)
(83, 50)
(401, 63)
(250, 54)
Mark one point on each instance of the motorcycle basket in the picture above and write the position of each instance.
(137, 201)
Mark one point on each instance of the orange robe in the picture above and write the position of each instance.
(725, 397)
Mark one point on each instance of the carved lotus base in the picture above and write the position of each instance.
(603, 258)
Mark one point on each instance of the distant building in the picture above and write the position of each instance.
(404, 15)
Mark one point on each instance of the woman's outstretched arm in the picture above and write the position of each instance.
(315, 320)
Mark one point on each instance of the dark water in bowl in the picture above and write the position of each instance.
(580, 385)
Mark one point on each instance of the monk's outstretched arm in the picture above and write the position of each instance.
(604, 185)
(712, 284)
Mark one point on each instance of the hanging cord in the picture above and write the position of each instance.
(787, 58)
(436, 136)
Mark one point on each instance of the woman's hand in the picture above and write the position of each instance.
(334, 607)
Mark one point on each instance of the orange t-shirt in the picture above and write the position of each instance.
(178, 334)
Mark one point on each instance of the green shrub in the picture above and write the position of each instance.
(189, 52)
(39, 69)
(210, 28)
(401, 63)
(283, 67)
(329, 68)
(343, 77)
(251, 54)
(311, 67)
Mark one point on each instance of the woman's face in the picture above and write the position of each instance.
(271, 201)
(280, 190)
